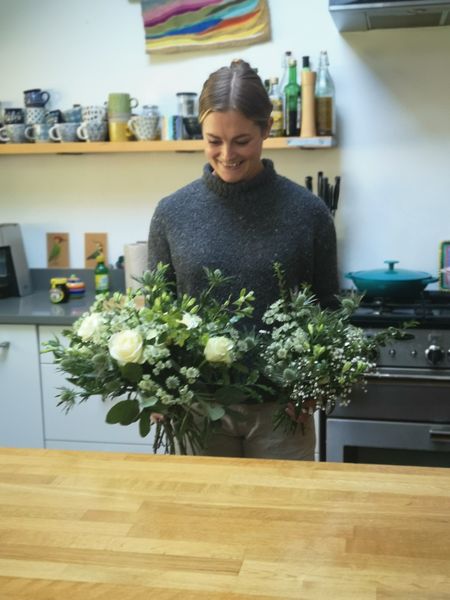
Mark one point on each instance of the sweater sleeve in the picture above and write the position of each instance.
(325, 284)
(158, 245)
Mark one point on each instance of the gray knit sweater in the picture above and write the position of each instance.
(242, 229)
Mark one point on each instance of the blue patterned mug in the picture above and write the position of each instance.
(36, 97)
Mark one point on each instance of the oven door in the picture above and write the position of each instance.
(402, 418)
(388, 443)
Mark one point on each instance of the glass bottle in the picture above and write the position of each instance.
(292, 101)
(101, 274)
(283, 81)
(277, 108)
(325, 98)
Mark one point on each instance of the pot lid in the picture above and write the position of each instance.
(390, 274)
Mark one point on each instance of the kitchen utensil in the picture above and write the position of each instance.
(391, 283)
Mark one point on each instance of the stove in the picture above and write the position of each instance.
(403, 416)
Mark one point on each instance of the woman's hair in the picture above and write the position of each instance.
(237, 87)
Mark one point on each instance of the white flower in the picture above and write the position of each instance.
(89, 326)
(126, 346)
(191, 321)
(218, 350)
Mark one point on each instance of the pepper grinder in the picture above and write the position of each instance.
(308, 78)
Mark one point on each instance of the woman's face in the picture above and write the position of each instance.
(233, 145)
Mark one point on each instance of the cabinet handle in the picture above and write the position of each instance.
(440, 435)
(4, 345)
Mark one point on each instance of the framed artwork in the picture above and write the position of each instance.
(183, 25)
(58, 250)
(95, 244)
(444, 265)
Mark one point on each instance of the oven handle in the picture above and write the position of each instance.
(399, 376)
(440, 435)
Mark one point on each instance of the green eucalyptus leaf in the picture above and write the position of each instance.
(132, 371)
(124, 412)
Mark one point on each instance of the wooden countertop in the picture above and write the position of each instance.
(98, 526)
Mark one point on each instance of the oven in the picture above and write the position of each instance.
(403, 417)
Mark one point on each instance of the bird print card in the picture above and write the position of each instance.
(58, 250)
(95, 244)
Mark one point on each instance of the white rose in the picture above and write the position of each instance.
(218, 350)
(191, 321)
(89, 326)
(126, 346)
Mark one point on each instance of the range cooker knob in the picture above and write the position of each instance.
(434, 354)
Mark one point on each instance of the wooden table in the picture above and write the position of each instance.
(97, 526)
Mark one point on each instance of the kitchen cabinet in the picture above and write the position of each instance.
(153, 146)
(21, 424)
(84, 427)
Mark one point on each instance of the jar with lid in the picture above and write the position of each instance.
(187, 104)
(59, 291)
(154, 121)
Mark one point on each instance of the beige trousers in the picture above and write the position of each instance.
(254, 436)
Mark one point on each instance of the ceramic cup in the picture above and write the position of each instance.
(38, 133)
(53, 116)
(144, 128)
(13, 133)
(93, 131)
(118, 131)
(121, 103)
(36, 97)
(34, 114)
(64, 132)
(72, 115)
(13, 115)
(93, 113)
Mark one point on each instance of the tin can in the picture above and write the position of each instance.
(59, 291)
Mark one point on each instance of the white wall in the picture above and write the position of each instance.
(393, 89)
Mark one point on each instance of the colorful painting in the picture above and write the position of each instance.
(57, 250)
(182, 25)
(94, 245)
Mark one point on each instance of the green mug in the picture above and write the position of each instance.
(121, 103)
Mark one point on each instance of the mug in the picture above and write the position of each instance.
(36, 97)
(34, 114)
(93, 113)
(38, 133)
(13, 115)
(144, 127)
(72, 115)
(93, 131)
(64, 132)
(53, 116)
(121, 103)
(118, 131)
(13, 133)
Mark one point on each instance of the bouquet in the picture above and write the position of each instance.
(180, 358)
(178, 364)
(316, 357)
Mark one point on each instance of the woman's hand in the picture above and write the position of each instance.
(303, 416)
(156, 417)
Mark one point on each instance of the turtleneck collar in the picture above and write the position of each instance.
(240, 189)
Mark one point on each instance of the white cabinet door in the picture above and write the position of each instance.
(84, 424)
(20, 388)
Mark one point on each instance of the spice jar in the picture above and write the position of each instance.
(58, 290)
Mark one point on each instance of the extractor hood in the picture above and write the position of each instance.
(362, 15)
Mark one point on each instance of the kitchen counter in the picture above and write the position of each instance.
(120, 526)
(36, 308)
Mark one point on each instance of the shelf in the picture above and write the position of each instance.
(156, 146)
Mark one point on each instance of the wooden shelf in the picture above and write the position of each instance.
(156, 146)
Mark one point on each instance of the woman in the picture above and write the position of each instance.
(241, 217)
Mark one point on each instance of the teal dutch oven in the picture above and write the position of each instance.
(398, 284)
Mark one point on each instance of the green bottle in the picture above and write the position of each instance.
(101, 275)
(292, 101)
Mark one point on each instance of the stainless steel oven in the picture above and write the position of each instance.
(404, 416)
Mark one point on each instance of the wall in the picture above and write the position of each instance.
(394, 129)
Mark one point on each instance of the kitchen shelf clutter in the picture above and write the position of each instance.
(281, 143)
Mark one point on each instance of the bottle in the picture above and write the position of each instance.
(292, 101)
(277, 108)
(101, 275)
(283, 81)
(325, 98)
(308, 124)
